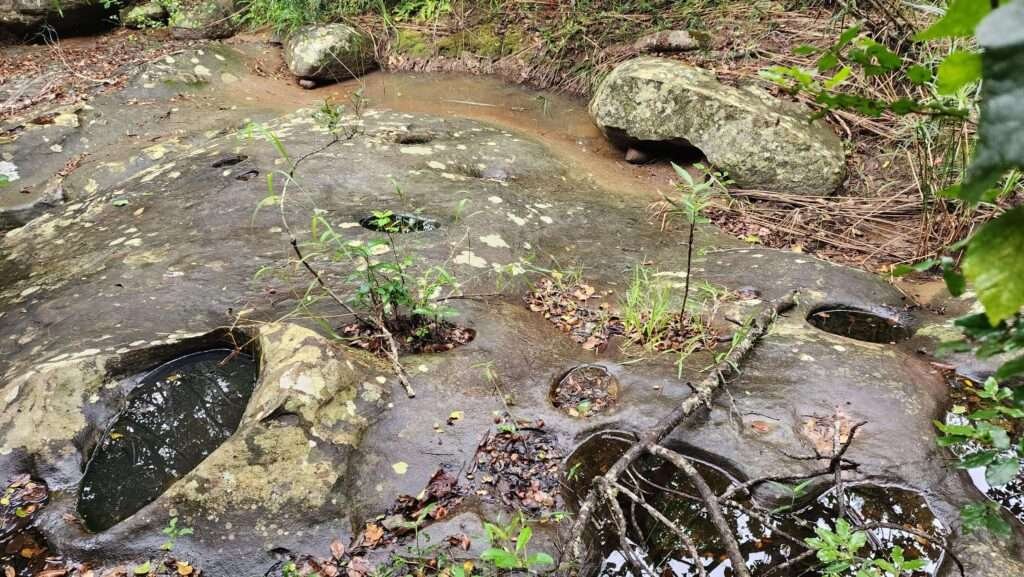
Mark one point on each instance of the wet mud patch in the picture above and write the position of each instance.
(518, 464)
(390, 222)
(24, 551)
(413, 335)
(585, 390)
(767, 539)
(177, 415)
(882, 326)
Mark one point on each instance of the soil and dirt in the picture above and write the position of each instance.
(154, 243)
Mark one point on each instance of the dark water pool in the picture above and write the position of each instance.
(177, 415)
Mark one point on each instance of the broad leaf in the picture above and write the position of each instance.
(1002, 472)
(1000, 146)
(994, 265)
(958, 70)
(960, 19)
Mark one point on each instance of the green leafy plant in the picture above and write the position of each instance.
(422, 9)
(173, 532)
(840, 552)
(509, 546)
(694, 198)
(852, 51)
(645, 310)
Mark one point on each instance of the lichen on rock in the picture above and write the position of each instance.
(328, 52)
(761, 142)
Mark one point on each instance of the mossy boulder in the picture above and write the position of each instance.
(196, 19)
(761, 141)
(328, 52)
(148, 15)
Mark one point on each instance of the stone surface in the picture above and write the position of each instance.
(667, 41)
(328, 52)
(158, 241)
(762, 142)
(19, 18)
(146, 15)
(193, 19)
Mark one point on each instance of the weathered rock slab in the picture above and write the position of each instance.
(762, 142)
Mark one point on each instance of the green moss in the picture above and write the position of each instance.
(413, 43)
(482, 40)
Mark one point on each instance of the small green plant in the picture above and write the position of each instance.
(509, 546)
(422, 9)
(794, 492)
(646, 311)
(694, 198)
(839, 550)
(173, 532)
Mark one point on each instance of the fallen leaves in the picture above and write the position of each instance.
(565, 304)
(518, 465)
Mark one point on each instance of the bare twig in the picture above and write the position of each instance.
(704, 391)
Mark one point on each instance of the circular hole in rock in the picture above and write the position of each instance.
(177, 415)
(760, 537)
(882, 326)
(585, 390)
(398, 223)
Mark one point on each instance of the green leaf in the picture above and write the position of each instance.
(1000, 439)
(905, 269)
(994, 265)
(524, 537)
(501, 558)
(1000, 147)
(960, 19)
(1002, 471)
(979, 459)
(919, 74)
(143, 569)
(958, 70)
(1010, 368)
(539, 559)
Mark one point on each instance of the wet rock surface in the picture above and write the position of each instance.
(156, 241)
(761, 142)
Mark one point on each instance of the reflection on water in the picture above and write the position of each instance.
(760, 537)
(1011, 495)
(178, 414)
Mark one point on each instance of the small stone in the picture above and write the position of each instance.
(307, 83)
(636, 156)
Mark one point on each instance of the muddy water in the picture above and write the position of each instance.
(560, 122)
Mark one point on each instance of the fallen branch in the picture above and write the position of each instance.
(705, 389)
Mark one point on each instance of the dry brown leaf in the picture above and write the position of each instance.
(184, 568)
(372, 535)
(337, 549)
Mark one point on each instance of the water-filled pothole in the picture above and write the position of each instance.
(1009, 496)
(881, 326)
(585, 390)
(178, 414)
(760, 537)
(398, 223)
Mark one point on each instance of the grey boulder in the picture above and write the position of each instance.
(328, 52)
(762, 142)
